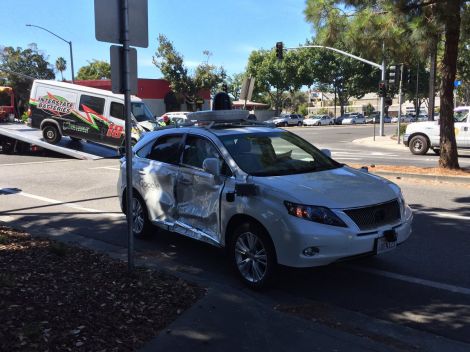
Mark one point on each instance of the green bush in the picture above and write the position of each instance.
(402, 128)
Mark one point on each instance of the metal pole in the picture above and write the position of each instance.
(417, 85)
(71, 62)
(400, 101)
(128, 146)
(58, 36)
(382, 99)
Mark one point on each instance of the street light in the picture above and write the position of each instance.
(68, 42)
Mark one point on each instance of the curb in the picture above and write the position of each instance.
(438, 178)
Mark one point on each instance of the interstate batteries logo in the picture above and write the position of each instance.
(55, 105)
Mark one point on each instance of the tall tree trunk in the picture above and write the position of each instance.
(432, 77)
(448, 158)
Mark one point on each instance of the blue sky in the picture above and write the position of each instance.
(229, 29)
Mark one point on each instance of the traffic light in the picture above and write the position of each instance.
(406, 76)
(382, 89)
(279, 50)
(393, 75)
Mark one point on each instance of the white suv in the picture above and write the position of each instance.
(265, 194)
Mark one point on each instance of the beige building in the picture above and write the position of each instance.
(324, 102)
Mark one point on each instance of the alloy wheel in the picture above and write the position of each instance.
(251, 257)
(138, 217)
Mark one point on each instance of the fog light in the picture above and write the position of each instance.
(310, 251)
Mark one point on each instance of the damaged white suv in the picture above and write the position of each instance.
(265, 194)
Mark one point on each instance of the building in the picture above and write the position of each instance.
(157, 94)
(324, 103)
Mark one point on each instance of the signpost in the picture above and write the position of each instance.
(124, 22)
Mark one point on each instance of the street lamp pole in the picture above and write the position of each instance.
(374, 64)
(68, 42)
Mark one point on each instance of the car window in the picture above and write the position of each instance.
(94, 103)
(275, 153)
(117, 110)
(197, 149)
(166, 149)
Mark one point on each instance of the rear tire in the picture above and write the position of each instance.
(419, 145)
(51, 134)
(299, 124)
(253, 256)
(437, 151)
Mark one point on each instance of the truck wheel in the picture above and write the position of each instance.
(419, 145)
(299, 123)
(253, 255)
(437, 151)
(51, 134)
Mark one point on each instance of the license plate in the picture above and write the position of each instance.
(383, 245)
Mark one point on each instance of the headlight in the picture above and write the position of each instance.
(314, 213)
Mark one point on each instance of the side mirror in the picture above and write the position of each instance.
(327, 152)
(211, 166)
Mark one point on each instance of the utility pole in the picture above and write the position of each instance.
(417, 86)
(382, 99)
(400, 101)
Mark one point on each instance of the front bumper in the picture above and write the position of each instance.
(406, 138)
(334, 243)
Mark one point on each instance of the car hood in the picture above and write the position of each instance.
(149, 125)
(339, 188)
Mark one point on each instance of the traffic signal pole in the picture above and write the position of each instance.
(374, 64)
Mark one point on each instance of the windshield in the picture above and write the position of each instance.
(460, 116)
(141, 112)
(276, 153)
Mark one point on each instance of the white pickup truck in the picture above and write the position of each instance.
(422, 136)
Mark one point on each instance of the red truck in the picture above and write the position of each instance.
(7, 104)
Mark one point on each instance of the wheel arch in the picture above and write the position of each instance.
(48, 122)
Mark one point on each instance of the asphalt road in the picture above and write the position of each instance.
(339, 139)
(424, 284)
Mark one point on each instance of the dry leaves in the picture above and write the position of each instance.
(55, 297)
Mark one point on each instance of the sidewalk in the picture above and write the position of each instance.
(236, 319)
(385, 142)
(427, 173)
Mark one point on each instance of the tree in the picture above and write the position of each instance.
(276, 77)
(21, 67)
(387, 22)
(96, 69)
(61, 66)
(234, 85)
(171, 65)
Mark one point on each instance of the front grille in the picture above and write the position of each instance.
(376, 215)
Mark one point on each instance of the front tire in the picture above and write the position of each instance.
(253, 255)
(51, 134)
(419, 145)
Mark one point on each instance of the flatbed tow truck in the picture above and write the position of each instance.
(18, 137)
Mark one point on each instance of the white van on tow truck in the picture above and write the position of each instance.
(65, 109)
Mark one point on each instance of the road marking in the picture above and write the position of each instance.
(36, 162)
(105, 167)
(441, 214)
(414, 280)
(57, 202)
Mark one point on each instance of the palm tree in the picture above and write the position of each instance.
(61, 65)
